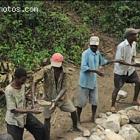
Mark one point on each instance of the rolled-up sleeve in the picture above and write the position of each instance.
(84, 63)
(10, 101)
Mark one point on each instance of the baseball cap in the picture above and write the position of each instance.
(94, 40)
(57, 59)
(131, 31)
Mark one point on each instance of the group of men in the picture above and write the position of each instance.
(54, 76)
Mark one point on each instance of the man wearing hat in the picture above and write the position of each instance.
(124, 72)
(90, 68)
(54, 84)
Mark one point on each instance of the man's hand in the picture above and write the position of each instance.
(100, 73)
(136, 65)
(119, 61)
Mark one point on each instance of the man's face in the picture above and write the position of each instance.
(22, 80)
(94, 48)
(134, 37)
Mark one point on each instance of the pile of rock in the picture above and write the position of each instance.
(124, 125)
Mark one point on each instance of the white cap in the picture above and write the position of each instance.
(56, 64)
(94, 40)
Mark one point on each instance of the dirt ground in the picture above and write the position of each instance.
(61, 121)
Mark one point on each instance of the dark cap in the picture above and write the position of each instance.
(131, 31)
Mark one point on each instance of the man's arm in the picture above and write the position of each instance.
(37, 77)
(60, 95)
(117, 61)
(86, 68)
(11, 105)
(22, 111)
(96, 71)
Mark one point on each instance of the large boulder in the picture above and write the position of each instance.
(94, 136)
(113, 122)
(110, 135)
(80, 138)
(137, 126)
(124, 119)
(102, 115)
(128, 132)
(101, 121)
(134, 116)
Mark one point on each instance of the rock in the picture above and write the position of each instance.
(94, 136)
(101, 121)
(121, 95)
(108, 113)
(138, 137)
(133, 108)
(93, 130)
(124, 119)
(128, 132)
(110, 135)
(102, 136)
(102, 115)
(100, 128)
(113, 122)
(86, 133)
(80, 138)
(5, 137)
(134, 116)
(137, 126)
(122, 112)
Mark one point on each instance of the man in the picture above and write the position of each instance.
(123, 71)
(17, 116)
(90, 68)
(54, 84)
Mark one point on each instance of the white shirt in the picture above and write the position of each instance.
(15, 99)
(125, 52)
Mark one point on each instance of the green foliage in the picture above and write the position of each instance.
(112, 17)
(27, 38)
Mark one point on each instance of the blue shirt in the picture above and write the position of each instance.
(92, 61)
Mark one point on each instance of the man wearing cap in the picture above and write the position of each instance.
(123, 71)
(90, 68)
(54, 83)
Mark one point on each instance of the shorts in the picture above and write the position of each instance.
(86, 95)
(119, 80)
(66, 106)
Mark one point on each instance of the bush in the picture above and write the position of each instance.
(27, 38)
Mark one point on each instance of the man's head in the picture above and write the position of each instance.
(131, 34)
(20, 75)
(57, 60)
(94, 43)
